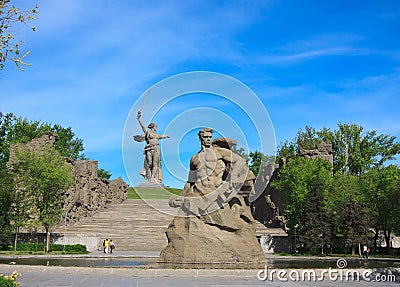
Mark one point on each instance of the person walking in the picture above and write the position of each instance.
(112, 246)
(365, 251)
(106, 244)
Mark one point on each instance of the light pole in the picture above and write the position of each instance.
(65, 229)
(295, 238)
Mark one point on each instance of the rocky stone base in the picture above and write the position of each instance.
(223, 236)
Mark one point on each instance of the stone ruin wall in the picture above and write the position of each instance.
(90, 192)
(323, 151)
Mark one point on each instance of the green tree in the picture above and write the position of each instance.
(102, 173)
(307, 139)
(68, 145)
(356, 151)
(22, 213)
(342, 186)
(22, 210)
(44, 176)
(7, 189)
(5, 124)
(11, 18)
(355, 227)
(381, 190)
(285, 149)
(256, 161)
(259, 160)
(17, 130)
(359, 172)
(21, 130)
(295, 179)
(315, 223)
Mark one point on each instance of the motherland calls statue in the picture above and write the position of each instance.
(214, 223)
(151, 170)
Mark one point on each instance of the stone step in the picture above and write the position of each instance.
(133, 225)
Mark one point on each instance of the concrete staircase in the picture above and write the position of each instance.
(132, 225)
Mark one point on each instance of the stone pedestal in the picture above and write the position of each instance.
(223, 236)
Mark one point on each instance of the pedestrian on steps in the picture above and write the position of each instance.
(112, 246)
(106, 245)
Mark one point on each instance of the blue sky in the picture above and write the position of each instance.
(311, 63)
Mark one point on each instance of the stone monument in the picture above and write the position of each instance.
(214, 223)
(151, 170)
(90, 193)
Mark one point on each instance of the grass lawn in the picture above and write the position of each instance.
(152, 192)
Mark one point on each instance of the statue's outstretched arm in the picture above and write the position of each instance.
(163, 136)
(139, 114)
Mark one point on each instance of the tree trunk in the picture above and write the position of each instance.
(15, 239)
(353, 250)
(387, 238)
(47, 239)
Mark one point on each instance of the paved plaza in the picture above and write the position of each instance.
(52, 276)
(50, 279)
(33, 276)
(64, 280)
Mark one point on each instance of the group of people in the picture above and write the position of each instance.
(108, 246)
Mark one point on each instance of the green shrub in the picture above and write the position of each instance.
(77, 248)
(31, 247)
(26, 247)
(6, 247)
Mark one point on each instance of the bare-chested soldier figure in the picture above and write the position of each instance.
(214, 222)
(216, 174)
